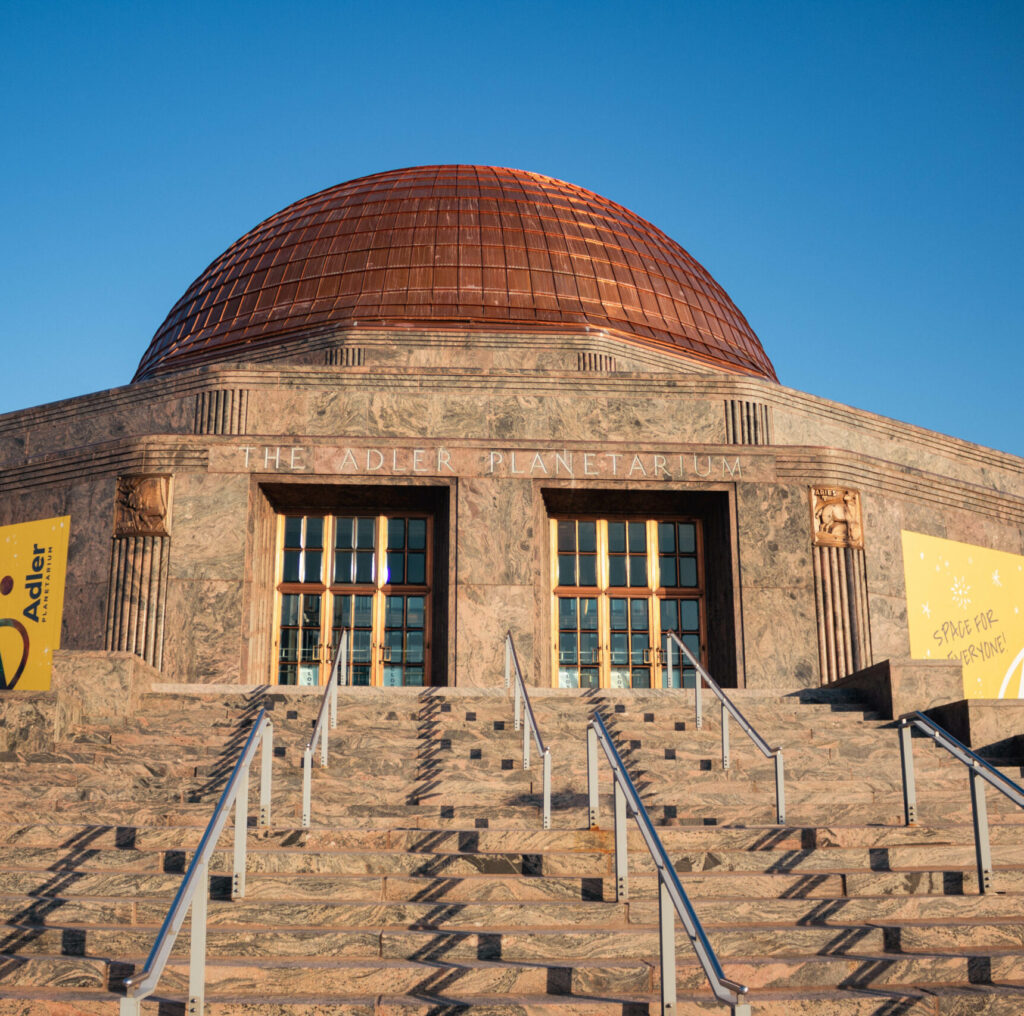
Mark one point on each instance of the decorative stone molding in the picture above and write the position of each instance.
(346, 356)
(222, 411)
(598, 363)
(137, 596)
(747, 423)
(836, 517)
(142, 506)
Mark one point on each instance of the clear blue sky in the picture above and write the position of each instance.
(850, 172)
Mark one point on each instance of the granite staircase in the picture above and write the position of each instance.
(426, 885)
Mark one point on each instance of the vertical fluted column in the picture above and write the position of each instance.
(137, 596)
(222, 411)
(139, 563)
(747, 423)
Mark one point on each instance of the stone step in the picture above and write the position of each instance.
(448, 905)
(567, 977)
(978, 1000)
(461, 885)
(547, 859)
(69, 840)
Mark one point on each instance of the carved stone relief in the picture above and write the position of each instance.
(142, 506)
(836, 517)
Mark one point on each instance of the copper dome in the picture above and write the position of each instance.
(455, 246)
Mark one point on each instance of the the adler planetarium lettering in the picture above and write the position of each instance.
(440, 461)
(631, 465)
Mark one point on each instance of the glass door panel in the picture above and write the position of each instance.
(354, 613)
(578, 642)
(300, 644)
(630, 635)
(377, 590)
(404, 653)
(682, 617)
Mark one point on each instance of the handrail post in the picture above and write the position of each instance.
(526, 742)
(307, 780)
(979, 812)
(669, 668)
(780, 790)
(697, 682)
(725, 737)
(621, 850)
(907, 762)
(241, 831)
(667, 937)
(508, 661)
(266, 760)
(519, 706)
(547, 788)
(197, 945)
(593, 805)
(336, 676)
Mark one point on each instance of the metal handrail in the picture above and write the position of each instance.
(728, 708)
(672, 898)
(338, 670)
(194, 889)
(978, 769)
(512, 668)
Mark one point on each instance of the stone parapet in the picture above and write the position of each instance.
(897, 687)
(97, 687)
(992, 727)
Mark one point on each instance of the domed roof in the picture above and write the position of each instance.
(458, 247)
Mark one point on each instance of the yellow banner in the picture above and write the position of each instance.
(966, 603)
(33, 566)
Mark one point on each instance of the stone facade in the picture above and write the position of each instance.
(497, 426)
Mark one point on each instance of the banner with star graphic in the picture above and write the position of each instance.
(966, 603)
(33, 565)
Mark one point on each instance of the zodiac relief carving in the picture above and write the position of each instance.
(836, 517)
(141, 506)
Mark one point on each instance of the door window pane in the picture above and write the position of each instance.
(417, 534)
(314, 531)
(417, 569)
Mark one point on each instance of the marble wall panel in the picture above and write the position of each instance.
(91, 507)
(890, 639)
(209, 520)
(485, 613)
(202, 644)
(819, 422)
(85, 609)
(497, 540)
(35, 503)
(966, 527)
(774, 536)
(406, 412)
(883, 549)
(95, 420)
(780, 639)
(313, 411)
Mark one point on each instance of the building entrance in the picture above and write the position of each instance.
(368, 574)
(620, 584)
